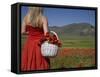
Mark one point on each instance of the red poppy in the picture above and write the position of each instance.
(51, 39)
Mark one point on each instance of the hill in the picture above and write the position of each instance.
(77, 29)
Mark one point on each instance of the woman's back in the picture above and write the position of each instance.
(31, 54)
(34, 31)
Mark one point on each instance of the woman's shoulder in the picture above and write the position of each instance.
(26, 19)
(44, 19)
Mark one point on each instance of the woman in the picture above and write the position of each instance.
(36, 26)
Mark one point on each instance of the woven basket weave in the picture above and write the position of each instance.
(48, 49)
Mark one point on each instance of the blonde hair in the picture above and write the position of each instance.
(34, 16)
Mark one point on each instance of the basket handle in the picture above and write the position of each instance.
(55, 34)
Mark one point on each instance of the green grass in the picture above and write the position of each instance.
(72, 62)
(73, 41)
(77, 41)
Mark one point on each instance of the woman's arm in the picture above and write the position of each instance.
(23, 27)
(45, 25)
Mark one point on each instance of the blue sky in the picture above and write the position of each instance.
(60, 17)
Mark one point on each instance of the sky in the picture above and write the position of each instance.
(61, 16)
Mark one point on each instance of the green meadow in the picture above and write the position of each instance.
(77, 41)
(76, 60)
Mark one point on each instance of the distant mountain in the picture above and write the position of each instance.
(75, 29)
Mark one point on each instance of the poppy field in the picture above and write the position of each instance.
(76, 52)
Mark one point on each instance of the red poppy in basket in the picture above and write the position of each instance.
(51, 39)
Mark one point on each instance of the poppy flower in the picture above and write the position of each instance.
(54, 37)
(51, 39)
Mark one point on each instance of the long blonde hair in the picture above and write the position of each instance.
(34, 16)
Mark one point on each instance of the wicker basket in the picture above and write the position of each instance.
(48, 49)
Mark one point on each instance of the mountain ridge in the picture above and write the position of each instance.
(74, 29)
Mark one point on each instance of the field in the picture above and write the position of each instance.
(77, 41)
(74, 58)
(76, 51)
